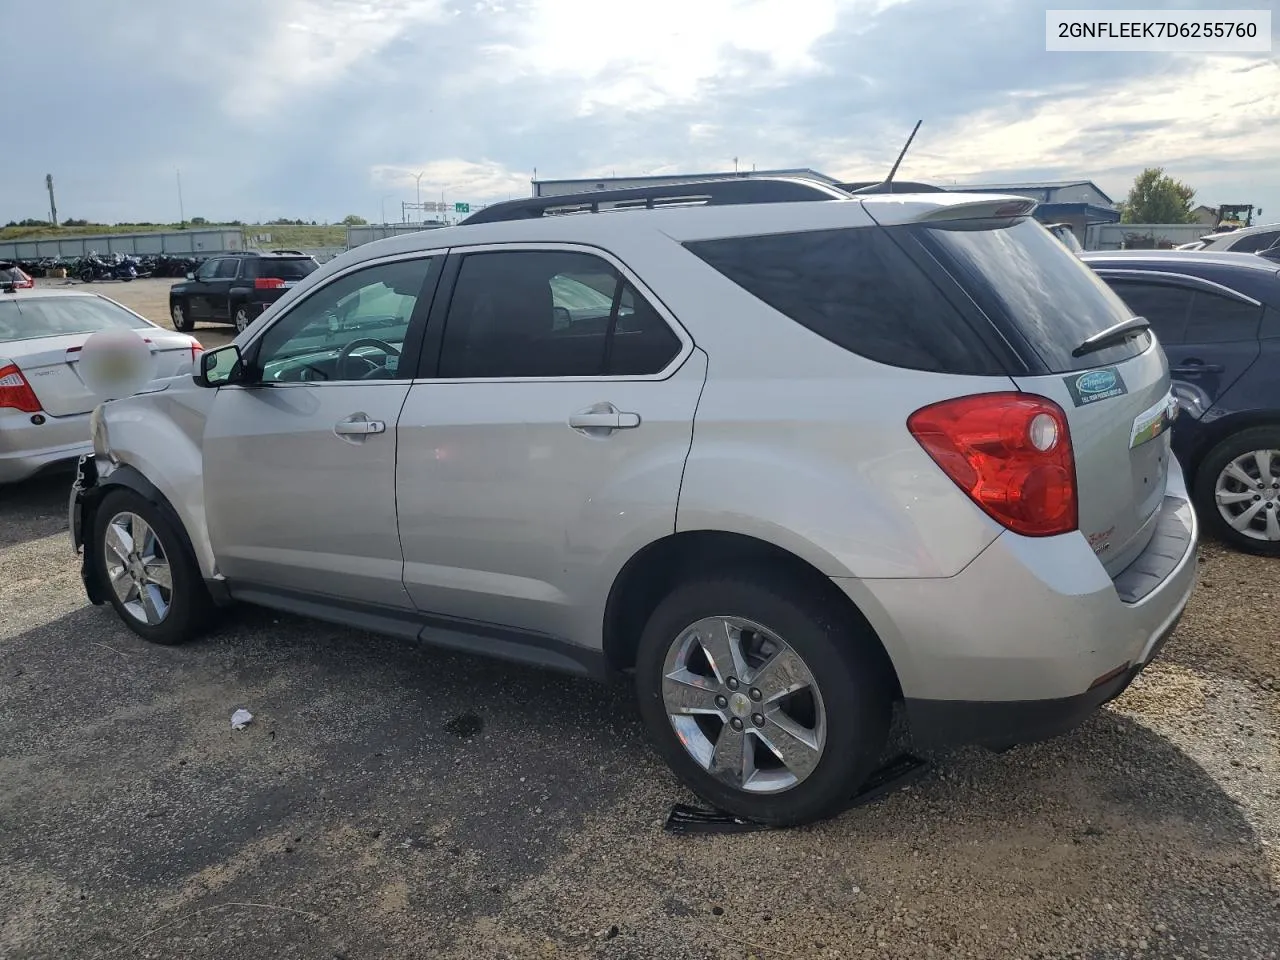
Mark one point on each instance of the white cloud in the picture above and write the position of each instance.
(471, 181)
(668, 52)
(309, 44)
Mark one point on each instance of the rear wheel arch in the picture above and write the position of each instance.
(658, 568)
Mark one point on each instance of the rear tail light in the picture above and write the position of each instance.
(1011, 453)
(15, 392)
(268, 283)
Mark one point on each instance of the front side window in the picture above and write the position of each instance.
(208, 269)
(544, 313)
(354, 328)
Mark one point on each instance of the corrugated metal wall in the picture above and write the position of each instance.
(367, 233)
(198, 242)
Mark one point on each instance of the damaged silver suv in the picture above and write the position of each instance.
(783, 455)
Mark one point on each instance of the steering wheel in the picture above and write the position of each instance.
(345, 357)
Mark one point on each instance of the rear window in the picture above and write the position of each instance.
(286, 269)
(29, 318)
(857, 288)
(1031, 285)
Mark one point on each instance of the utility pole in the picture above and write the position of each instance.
(53, 207)
(182, 213)
(418, 179)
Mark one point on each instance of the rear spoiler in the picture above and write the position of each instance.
(994, 208)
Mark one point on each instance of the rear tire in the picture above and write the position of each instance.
(86, 275)
(241, 318)
(180, 313)
(844, 705)
(138, 550)
(1240, 479)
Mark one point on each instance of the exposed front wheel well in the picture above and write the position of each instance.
(663, 565)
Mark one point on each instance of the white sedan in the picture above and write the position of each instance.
(44, 403)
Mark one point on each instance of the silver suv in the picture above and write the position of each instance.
(786, 463)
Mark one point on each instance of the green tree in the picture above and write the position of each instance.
(1158, 198)
(351, 220)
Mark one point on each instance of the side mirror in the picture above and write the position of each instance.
(221, 367)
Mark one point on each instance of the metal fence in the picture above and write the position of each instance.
(367, 233)
(1142, 236)
(198, 243)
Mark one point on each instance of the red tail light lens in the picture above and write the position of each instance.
(15, 392)
(268, 283)
(1011, 453)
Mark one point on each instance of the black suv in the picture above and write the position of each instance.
(236, 287)
(1217, 315)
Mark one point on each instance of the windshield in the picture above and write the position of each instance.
(30, 318)
(1023, 277)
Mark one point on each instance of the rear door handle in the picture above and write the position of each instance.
(604, 417)
(359, 425)
(1196, 366)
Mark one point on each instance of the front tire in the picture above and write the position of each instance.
(147, 570)
(766, 698)
(181, 316)
(1237, 490)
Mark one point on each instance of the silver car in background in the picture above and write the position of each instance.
(44, 403)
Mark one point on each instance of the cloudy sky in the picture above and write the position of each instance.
(319, 108)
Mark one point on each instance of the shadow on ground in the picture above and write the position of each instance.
(389, 800)
(34, 508)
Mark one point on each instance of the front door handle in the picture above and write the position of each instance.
(358, 425)
(603, 418)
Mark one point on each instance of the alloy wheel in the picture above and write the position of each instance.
(138, 568)
(1247, 493)
(744, 704)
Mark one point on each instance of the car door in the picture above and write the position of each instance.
(547, 445)
(198, 288)
(218, 288)
(299, 475)
(1209, 332)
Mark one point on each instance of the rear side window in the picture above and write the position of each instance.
(1031, 285)
(284, 269)
(1218, 319)
(543, 313)
(857, 288)
(1165, 306)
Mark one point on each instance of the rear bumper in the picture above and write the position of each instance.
(1032, 636)
(27, 448)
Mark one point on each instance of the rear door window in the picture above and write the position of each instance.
(1218, 319)
(1165, 306)
(858, 289)
(1034, 288)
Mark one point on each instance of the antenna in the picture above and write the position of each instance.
(906, 146)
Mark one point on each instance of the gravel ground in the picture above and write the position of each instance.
(396, 801)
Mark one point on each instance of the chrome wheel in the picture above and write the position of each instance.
(744, 704)
(242, 320)
(1247, 493)
(138, 568)
(179, 320)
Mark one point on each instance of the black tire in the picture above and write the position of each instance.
(1205, 483)
(190, 608)
(241, 317)
(180, 316)
(86, 275)
(838, 649)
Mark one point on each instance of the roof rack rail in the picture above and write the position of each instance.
(691, 193)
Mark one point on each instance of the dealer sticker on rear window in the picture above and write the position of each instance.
(1101, 384)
